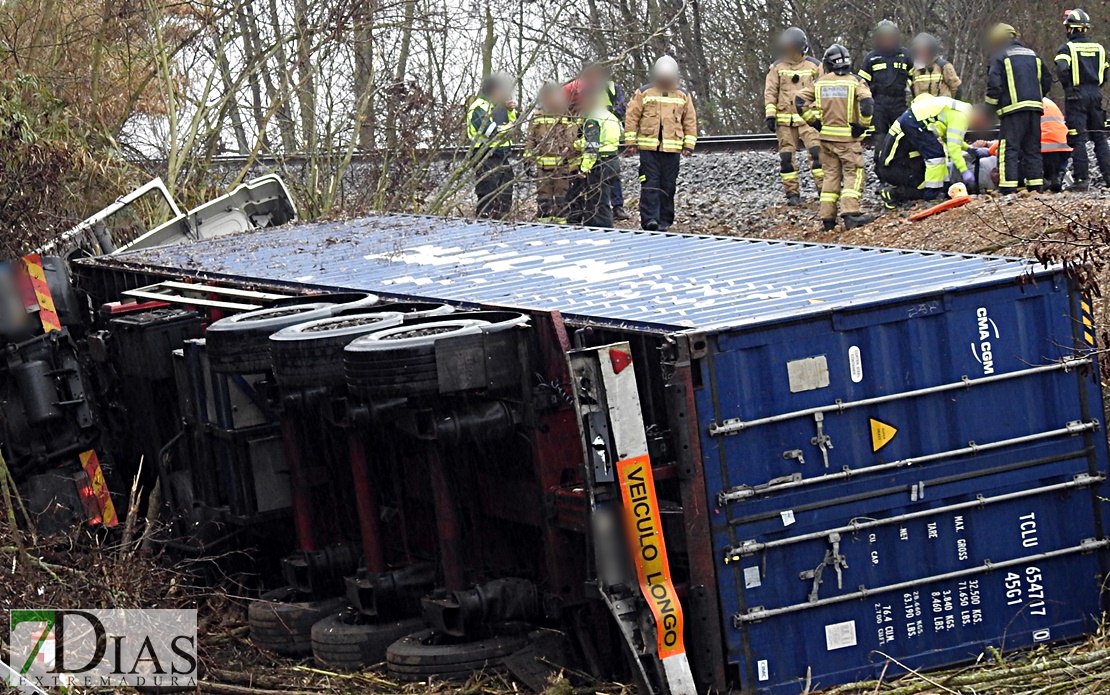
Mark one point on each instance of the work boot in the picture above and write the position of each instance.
(621, 214)
(1055, 184)
(857, 219)
(1080, 187)
(650, 226)
(793, 200)
(830, 225)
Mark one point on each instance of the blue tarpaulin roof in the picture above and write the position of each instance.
(636, 279)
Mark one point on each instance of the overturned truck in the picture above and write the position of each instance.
(702, 463)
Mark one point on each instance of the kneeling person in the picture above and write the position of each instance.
(933, 129)
(839, 106)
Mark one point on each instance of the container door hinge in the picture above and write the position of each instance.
(833, 559)
(822, 440)
(795, 454)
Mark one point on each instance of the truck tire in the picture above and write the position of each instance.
(348, 642)
(311, 353)
(405, 361)
(280, 623)
(428, 653)
(402, 359)
(240, 344)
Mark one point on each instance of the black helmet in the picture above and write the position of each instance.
(837, 59)
(887, 28)
(927, 43)
(1077, 20)
(794, 39)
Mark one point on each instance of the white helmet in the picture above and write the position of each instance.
(665, 67)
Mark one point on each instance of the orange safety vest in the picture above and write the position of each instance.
(1054, 131)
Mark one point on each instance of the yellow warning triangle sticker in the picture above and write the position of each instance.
(881, 434)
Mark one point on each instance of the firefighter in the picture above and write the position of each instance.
(598, 166)
(489, 122)
(931, 73)
(1017, 82)
(794, 71)
(1081, 66)
(886, 69)
(840, 107)
(548, 145)
(660, 124)
(934, 128)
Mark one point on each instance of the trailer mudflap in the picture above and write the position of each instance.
(622, 489)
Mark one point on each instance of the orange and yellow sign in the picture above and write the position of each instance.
(91, 464)
(48, 315)
(645, 535)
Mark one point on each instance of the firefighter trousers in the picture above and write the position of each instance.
(494, 185)
(842, 163)
(789, 136)
(1019, 152)
(551, 194)
(887, 111)
(658, 182)
(1086, 119)
(591, 195)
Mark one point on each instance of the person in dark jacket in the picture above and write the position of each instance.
(887, 71)
(1017, 82)
(1081, 67)
(490, 121)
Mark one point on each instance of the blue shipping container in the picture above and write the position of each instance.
(902, 450)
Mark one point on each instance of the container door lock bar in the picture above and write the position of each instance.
(822, 441)
(833, 559)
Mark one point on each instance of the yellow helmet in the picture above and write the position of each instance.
(1002, 33)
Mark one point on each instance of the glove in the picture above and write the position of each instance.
(858, 131)
(982, 151)
(772, 124)
(969, 179)
(686, 152)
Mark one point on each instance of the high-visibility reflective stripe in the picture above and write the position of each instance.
(879, 66)
(1010, 108)
(1084, 49)
(799, 73)
(647, 142)
(789, 119)
(771, 109)
(1055, 147)
(817, 173)
(547, 120)
(993, 101)
(672, 143)
(836, 131)
(550, 161)
(1051, 119)
(865, 75)
(664, 100)
(829, 197)
(1034, 182)
(789, 176)
(1003, 182)
(689, 140)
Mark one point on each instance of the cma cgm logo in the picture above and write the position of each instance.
(981, 348)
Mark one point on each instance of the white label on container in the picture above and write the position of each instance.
(787, 517)
(764, 671)
(855, 364)
(752, 578)
(840, 635)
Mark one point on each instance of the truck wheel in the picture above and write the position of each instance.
(240, 344)
(280, 623)
(429, 653)
(401, 361)
(404, 361)
(311, 353)
(347, 641)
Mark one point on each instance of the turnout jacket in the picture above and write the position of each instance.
(784, 81)
(1017, 80)
(939, 78)
(838, 102)
(948, 119)
(659, 120)
(550, 139)
(1081, 63)
(887, 74)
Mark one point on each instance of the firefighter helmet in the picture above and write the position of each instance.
(794, 39)
(1002, 33)
(925, 43)
(888, 28)
(665, 67)
(837, 59)
(1077, 20)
